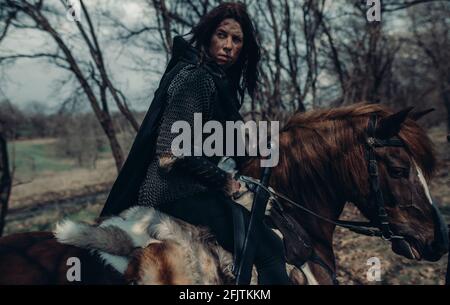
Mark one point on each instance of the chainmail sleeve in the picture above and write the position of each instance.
(191, 91)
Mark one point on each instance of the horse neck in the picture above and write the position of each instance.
(319, 231)
(328, 205)
(325, 195)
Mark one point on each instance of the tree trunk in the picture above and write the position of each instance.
(5, 182)
(445, 94)
(108, 127)
(103, 117)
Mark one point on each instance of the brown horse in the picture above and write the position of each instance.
(36, 258)
(323, 164)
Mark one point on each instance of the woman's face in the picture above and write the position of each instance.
(226, 43)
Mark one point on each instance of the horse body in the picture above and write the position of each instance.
(37, 258)
(322, 166)
(141, 246)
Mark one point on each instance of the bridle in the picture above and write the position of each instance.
(376, 195)
(381, 227)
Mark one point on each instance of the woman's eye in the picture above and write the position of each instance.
(221, 35)
(237, 40)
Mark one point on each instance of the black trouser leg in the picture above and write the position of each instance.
(214, 212)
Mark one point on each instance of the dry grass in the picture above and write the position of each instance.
(51, 185)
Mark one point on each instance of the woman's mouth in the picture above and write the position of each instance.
(223, 57)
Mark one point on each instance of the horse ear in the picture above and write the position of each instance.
(418, 114)
(390, 125)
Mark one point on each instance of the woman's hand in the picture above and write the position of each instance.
(236, 186)
(232, 186)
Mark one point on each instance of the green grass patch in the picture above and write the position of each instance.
(46, 220)
(89, 214)
(31, 158)
(34, 157)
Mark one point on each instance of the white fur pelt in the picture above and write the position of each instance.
(117, 237)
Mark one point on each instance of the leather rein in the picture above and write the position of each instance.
(380, 228)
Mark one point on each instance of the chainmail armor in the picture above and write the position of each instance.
(191, 91)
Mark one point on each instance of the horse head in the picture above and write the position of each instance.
(324, 163)
(403, 173)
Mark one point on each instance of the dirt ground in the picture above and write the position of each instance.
(64, 184)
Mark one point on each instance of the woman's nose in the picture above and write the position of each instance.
(228, 45)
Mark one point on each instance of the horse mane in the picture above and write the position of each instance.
(321, 147)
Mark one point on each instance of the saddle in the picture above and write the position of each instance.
(296, 241)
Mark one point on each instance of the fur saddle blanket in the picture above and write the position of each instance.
(150, 247)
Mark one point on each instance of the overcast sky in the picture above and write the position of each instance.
(35, 80)
(29, 80)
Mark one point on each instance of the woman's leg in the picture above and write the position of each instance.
(214, 212)
(204, 210)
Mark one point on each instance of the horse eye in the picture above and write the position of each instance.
(398, 172)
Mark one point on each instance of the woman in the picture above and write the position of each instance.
(204, 76)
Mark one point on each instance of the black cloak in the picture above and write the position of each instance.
(125, 189)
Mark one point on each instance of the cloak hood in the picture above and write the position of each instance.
(125, 189)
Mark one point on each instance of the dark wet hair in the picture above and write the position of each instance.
(244, 73)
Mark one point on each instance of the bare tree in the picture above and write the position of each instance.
(395, 5)
(359, 55)
(10, 117)
(431, 32)
(79, 138)
(92, 76)
(283, 87)
(315, 52)
(5, 180)
(97, 56)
